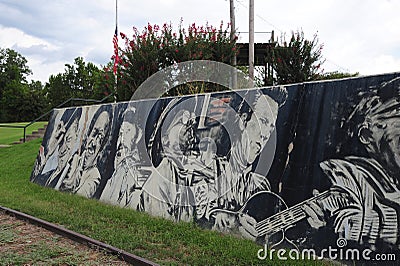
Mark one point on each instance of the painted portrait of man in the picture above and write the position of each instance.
(367, 208)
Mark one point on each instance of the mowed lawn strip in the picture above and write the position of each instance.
(9, 135)
(156, 239)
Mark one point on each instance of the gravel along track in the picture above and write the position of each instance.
(22, 243)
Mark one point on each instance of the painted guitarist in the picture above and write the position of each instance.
(224, 184)
(372, 183)
(363, 203)
(236, 183)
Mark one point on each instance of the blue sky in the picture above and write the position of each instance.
(358, 35)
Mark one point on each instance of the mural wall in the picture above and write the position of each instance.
(299, 166)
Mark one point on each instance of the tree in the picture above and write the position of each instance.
(57, 91)
(19, 100)
(79, 80)
(336, 75)
(36, 95)
(105, 84)
(297, 61)
(23, 102)
(156, 48)
(13, 67)
(81, 77)
(101, 81)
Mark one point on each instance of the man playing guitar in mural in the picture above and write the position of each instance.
(225, 183)
(363, 203)
(372, 184)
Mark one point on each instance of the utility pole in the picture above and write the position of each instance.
(251, 40)
(233, 36)
(116, 60)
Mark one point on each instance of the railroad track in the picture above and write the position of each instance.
(90, 242)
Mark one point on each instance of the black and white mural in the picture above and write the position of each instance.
(344, 170)
(296, 166)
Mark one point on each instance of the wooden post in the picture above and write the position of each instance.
(233, 36)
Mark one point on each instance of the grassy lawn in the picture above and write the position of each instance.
(159, 240)
(9, 135)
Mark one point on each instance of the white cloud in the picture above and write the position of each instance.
(12, 36)
(42, 71)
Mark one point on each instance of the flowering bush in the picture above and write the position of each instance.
(156, 47)
(297, 61)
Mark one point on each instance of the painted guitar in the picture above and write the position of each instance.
(274, 217)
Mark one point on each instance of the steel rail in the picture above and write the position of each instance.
(121, 254)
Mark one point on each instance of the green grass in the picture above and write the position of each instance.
(6, 235)
(9, 135)
(159, 240)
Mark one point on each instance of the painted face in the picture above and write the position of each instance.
(126, 143)
(180, 136)
(66, 146)
(57, 137)
(385, 133)
(260, 126)
(96, 139)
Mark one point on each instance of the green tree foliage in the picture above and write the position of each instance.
(79, 80)
(23, 102)
(156, 48)
(57, 91)
(297, 61)
(19, 100)
(336, 75)
(106, 82)
(13, 67)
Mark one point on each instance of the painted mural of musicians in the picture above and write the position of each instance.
(166, 193)
(123, 187)
(48, 153)
(55, 165)
(237, 182)
(183, 188)
(369, 213)
(67, 149)
(87, 175)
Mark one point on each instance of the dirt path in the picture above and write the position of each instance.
(22, 243)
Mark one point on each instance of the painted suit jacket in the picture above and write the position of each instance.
(372, 213)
